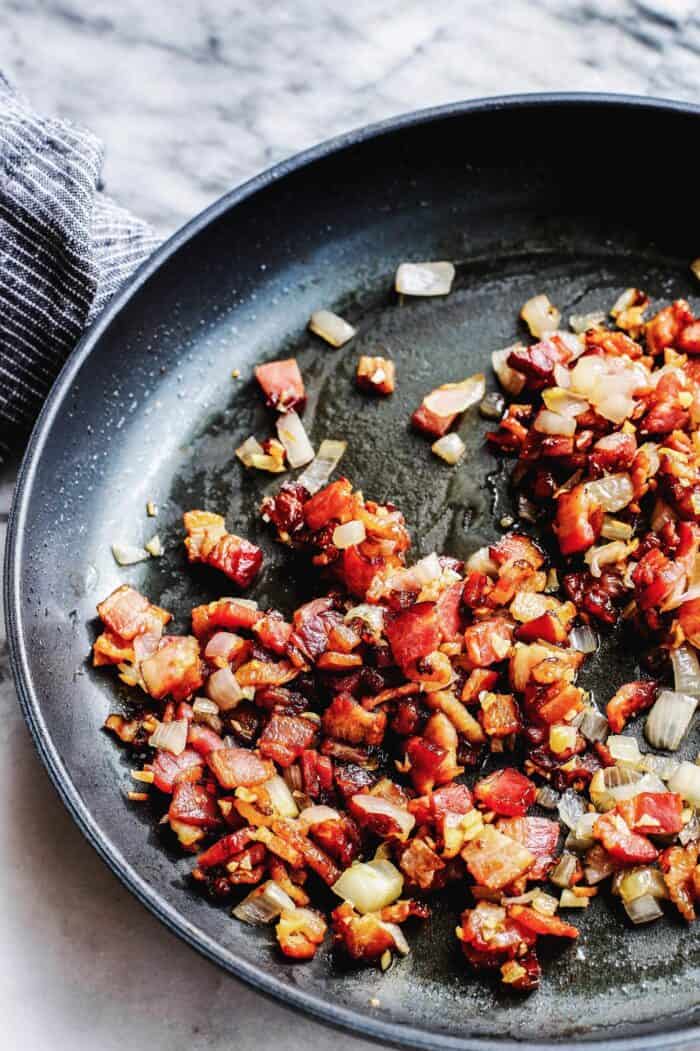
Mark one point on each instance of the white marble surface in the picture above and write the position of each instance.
(191, 98)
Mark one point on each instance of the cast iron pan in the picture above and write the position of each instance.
(573, 195)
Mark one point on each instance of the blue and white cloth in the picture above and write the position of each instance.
(65, 249)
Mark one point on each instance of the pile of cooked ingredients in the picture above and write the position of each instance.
(420, 725)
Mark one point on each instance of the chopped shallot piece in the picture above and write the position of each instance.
(331, 327)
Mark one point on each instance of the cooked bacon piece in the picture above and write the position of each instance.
(448, 612)
(224, 647)
(207, 541)
(127, 613)
(653, 813)
(193, 805)
(286, 510)
(362, 937)
(507, 792)
(536, 363)
(621, 843)
(600, 597)
(538, 923)
(312, 854)
(616, 344)
(273, 632)
(312, 624)
(359, 570)
(578, 521)
(689, 618)
(428, 422)
(523, 974)
(376, 375)
(479, 680)
(169, 770)
(656, 578)
(539, 835)
(515, 547)
(226, 613)
(664, 329)
(689, 339)
(333, 503)
(499, 714)
(174, 670)
(487, 929)
(300, 932)
(665, 410)
(557, 703)
(421, 865)
(281, 384)
(613, 452)
(339, 838)
(349, 721)
(317, 773)
(127, 730)
(203, 739)
(239, 768)
(225, 848)
(678, 865)
(286, 737)
(385, 817)
(430, 764)
(512, 433)
(495, 860)
(546, 628)
(414, 633)
(488, 641)
(247, 867)
(629, 700)
(266, 673)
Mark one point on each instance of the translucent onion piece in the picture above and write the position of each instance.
(613, 492)
(686, 782)
(563, 872)
(625, 300)
(583, 639)
(424, 279)
(643, 910)
(331, 327)
(295, 440)
(695, 267)
(540, 316)
(569, 900)
(263, 905)
(510, 379)
(582, 322)
(154, 546)
(690, 833)
(349, 534)
(614, 529)
(564, 402)
(612, 777)
(605, 555)
(598, 867)
(453, 398)
(685, 596)
(427, 569)
(170, 737)
(481, 562)
(562, 737)
(129, 554)
(314, 815)
(547, 797)
(400, 944)
(223, 688)
(686, 670)
(669, 719)
(571, 808)
(372, 616)
(529, 605)
(547, 422)
(321, 468)
(369, 886)
(623, 749)
(661, 766)
(639, 881)
(449, 448)
(251, 447)
(492, 406)
(281, 799)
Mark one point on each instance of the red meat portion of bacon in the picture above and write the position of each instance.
(174, 670)
(239, 768)
(664, 329)
(536, 363)
(578, 521)
(539, 835)
(506, 792)
(653, 813)
(333, 503)
(488, 641)
(127, 613)
(612, 452)
(448, 612)
(226, 613)
(621, 843)
(286, 737)
(629, 700)
(428, 422)
(414, 633)
(169, 770)
(282, 384)
(656, 577)
(193, 805)
(208, 541)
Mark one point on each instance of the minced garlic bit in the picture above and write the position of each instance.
(236, 374)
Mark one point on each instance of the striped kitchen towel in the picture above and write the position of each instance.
(65, 248)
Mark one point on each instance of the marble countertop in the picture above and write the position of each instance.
(191, 98)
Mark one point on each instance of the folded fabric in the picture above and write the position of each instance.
(65, 249)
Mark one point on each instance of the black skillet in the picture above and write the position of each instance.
(575, 196)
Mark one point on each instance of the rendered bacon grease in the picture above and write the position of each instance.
(421, 724)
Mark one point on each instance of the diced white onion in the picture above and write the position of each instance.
(605, 555)
(582, 322)
(315, 815)
(322, 466)
(669, 719)
(369, 886)
(569, 900)
(427, 569)
(686, 782)
(281, 799)
(373, 616)
(400, 944)
(449, 448)
(611, 778)
(170, 737)
(614, 529)
(613, 492)
(510, 379)
(643, 910)
(686, 670)
(623, 749)
(329, 326)
(454, 398)
(251, 447)
(571, 808)
(643, 880)
(564, 402)
(424, 279)
(224, 689)
(594, 725)
(547, 422)
(581, 837)
(204, 709)
(661, 766)
(540, 316)
(563, 872)
(129, 554)
(625, 300)
(349, 534)
(263, 905)
(295, 440)
(583, 639)
(547, 797)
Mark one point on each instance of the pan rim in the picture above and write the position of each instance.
(349, 1019)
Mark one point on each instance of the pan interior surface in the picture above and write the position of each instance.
(150, 411)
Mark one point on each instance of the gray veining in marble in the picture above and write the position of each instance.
(191, 98)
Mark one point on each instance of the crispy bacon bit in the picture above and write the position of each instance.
(239, 768)
(169, 770)
(286, 737)
(421, 865)
(539, 835)
(622, 844)
(300, 932)
(376, 375)
(488, 642)
(495, 860)
(653, 813)
(193, 805)
(538, 923)
(506, 792)
(578, 521)
(281, 384)
(362, 937)
(678, 865)
(629, 700)
(174, 670)
(349, 721)
(207, 541)
(414, 633)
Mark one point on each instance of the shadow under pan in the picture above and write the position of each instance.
(526, 195)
